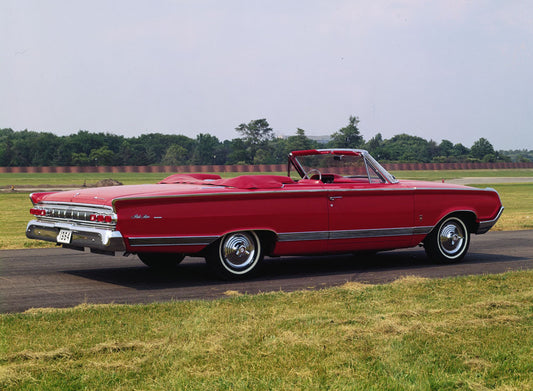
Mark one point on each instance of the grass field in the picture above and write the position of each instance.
(468, 333)
(433, 175)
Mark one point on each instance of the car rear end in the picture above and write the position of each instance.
(75, 225)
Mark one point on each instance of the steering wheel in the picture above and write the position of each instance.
(313, 170)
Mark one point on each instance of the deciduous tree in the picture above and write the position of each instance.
(255, 134)
(348, 136)
(481, 148)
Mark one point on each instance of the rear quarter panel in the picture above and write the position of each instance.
(432, 205)
(217, 214)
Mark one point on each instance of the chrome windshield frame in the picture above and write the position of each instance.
(368, 159)
(379, 168)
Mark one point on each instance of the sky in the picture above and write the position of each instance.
(454, 70)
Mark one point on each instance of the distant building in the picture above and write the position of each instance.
(321, 139)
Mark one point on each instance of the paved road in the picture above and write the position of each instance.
(64, 278)
(489, 180)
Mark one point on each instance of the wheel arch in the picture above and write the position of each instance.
(469, 217)
(268, 238)
(238, 254)
(449, 240)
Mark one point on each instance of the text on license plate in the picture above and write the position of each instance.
(64, 236)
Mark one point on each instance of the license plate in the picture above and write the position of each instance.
(64, 236)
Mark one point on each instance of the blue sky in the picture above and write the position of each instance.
(456, 70)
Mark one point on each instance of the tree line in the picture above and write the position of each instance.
(257, 144)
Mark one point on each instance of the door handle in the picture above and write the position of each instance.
(333, 198)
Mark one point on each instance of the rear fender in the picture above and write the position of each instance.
(468, 216)
(37, 197)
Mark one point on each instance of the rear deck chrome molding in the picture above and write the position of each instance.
(73, 205)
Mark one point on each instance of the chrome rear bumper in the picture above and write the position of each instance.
(93, 238)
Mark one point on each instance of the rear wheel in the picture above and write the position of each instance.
(236, 255)
(449, 241)
(161, 261)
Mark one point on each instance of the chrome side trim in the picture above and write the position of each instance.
(422, 230)
(282, 237)
(171, 241)
(353, 234)
(485, 226)
(303, 236)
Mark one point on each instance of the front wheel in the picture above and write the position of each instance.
(449, 241)
(236, 255)
(161, 261)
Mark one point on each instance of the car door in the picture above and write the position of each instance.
(302, 219)
(369, 216)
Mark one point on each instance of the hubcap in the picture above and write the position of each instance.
(239, 250)
(451, 238)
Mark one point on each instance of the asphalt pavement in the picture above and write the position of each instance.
(57, 277)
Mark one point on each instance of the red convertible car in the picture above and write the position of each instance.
(331, 201)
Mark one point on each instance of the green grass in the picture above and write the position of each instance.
(433, 175)
(458, 333)
(14, 216)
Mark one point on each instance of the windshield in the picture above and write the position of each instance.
(337, 167)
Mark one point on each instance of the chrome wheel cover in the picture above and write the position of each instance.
(452, 238)
(238, 251)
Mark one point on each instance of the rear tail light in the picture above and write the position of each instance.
(76, 215)
(38, 212)
(101, 218)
